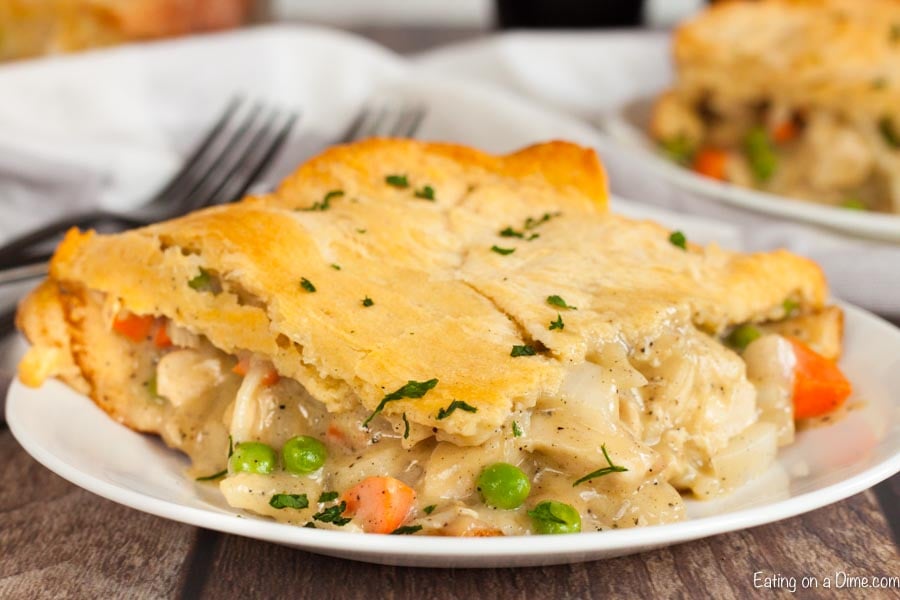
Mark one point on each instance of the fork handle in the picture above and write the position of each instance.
(15, 251)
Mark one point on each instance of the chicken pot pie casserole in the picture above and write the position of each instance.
(413, 337)
(795, 97)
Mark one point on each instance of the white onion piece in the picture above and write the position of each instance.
(247, 411)
(747, 455)
(770, 368)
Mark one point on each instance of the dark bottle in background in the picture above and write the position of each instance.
(564, 14)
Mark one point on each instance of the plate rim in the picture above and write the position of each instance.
(562, 547)
(875, 226)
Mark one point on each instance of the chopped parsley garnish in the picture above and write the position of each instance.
(336, 266)
(517, 431)
(280, 501)
(678, 149)
(790, 306)
(558, 323)
(429, 509)
(230, 447)
(361, 230)
(367, 302)
(311, 525)
(307, 285)
(524, 350)
(544, 512)
(531, 223)
(412, 389)
(503, 251)
(889, 133)
(426, 193)
(333, 515)
(405, 427)
(604, 471)
(446, 412)
(221, 473)
(328, 496)
(406, 530)
(202, 282)
(558, 301)
(398, 181)
(676, 238)
(325, 204)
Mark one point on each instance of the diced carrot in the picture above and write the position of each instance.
(270, 377)
(711, 162)
(161, 338)
(335, 434)
(785, 131)
(242, 366)
(134, 327)
(381, 504)
(819, 385)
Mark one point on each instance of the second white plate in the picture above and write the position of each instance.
(628, 125)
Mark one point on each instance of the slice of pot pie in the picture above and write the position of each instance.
(795, 97)
(417, 337)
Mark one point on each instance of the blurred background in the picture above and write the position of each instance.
(35, 27)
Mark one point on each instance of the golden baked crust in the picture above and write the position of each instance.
(33, 27)
(843, 55)
(800, 98)
(446, 306)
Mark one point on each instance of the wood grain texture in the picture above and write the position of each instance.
(58, 540)
(851, 536)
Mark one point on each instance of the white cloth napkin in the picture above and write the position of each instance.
(591, 74)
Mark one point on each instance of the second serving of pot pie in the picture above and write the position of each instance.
(413, 337)
(794, 97)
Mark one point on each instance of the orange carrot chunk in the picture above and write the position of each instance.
(711, 162)
(785, 132)
(134, 327)
(380, 504)
(161, 338)
(819, 385)
(271, 377)
(243, 365)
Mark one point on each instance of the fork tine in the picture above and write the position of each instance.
(199, 151)
(197, 191)
(408, 126)
(369, 123)
(257, 157)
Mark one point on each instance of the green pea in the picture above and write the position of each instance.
(303, 454)
(760, 154)
(253, 457)
(555, 517)
(503, 485)
(742, 335)
(853, 204)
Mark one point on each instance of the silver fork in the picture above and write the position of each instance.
(375, 119)
(239, 145)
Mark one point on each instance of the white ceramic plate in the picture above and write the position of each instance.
(69, 435)
(628, 125)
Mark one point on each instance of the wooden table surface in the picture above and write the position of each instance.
(57, 540)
